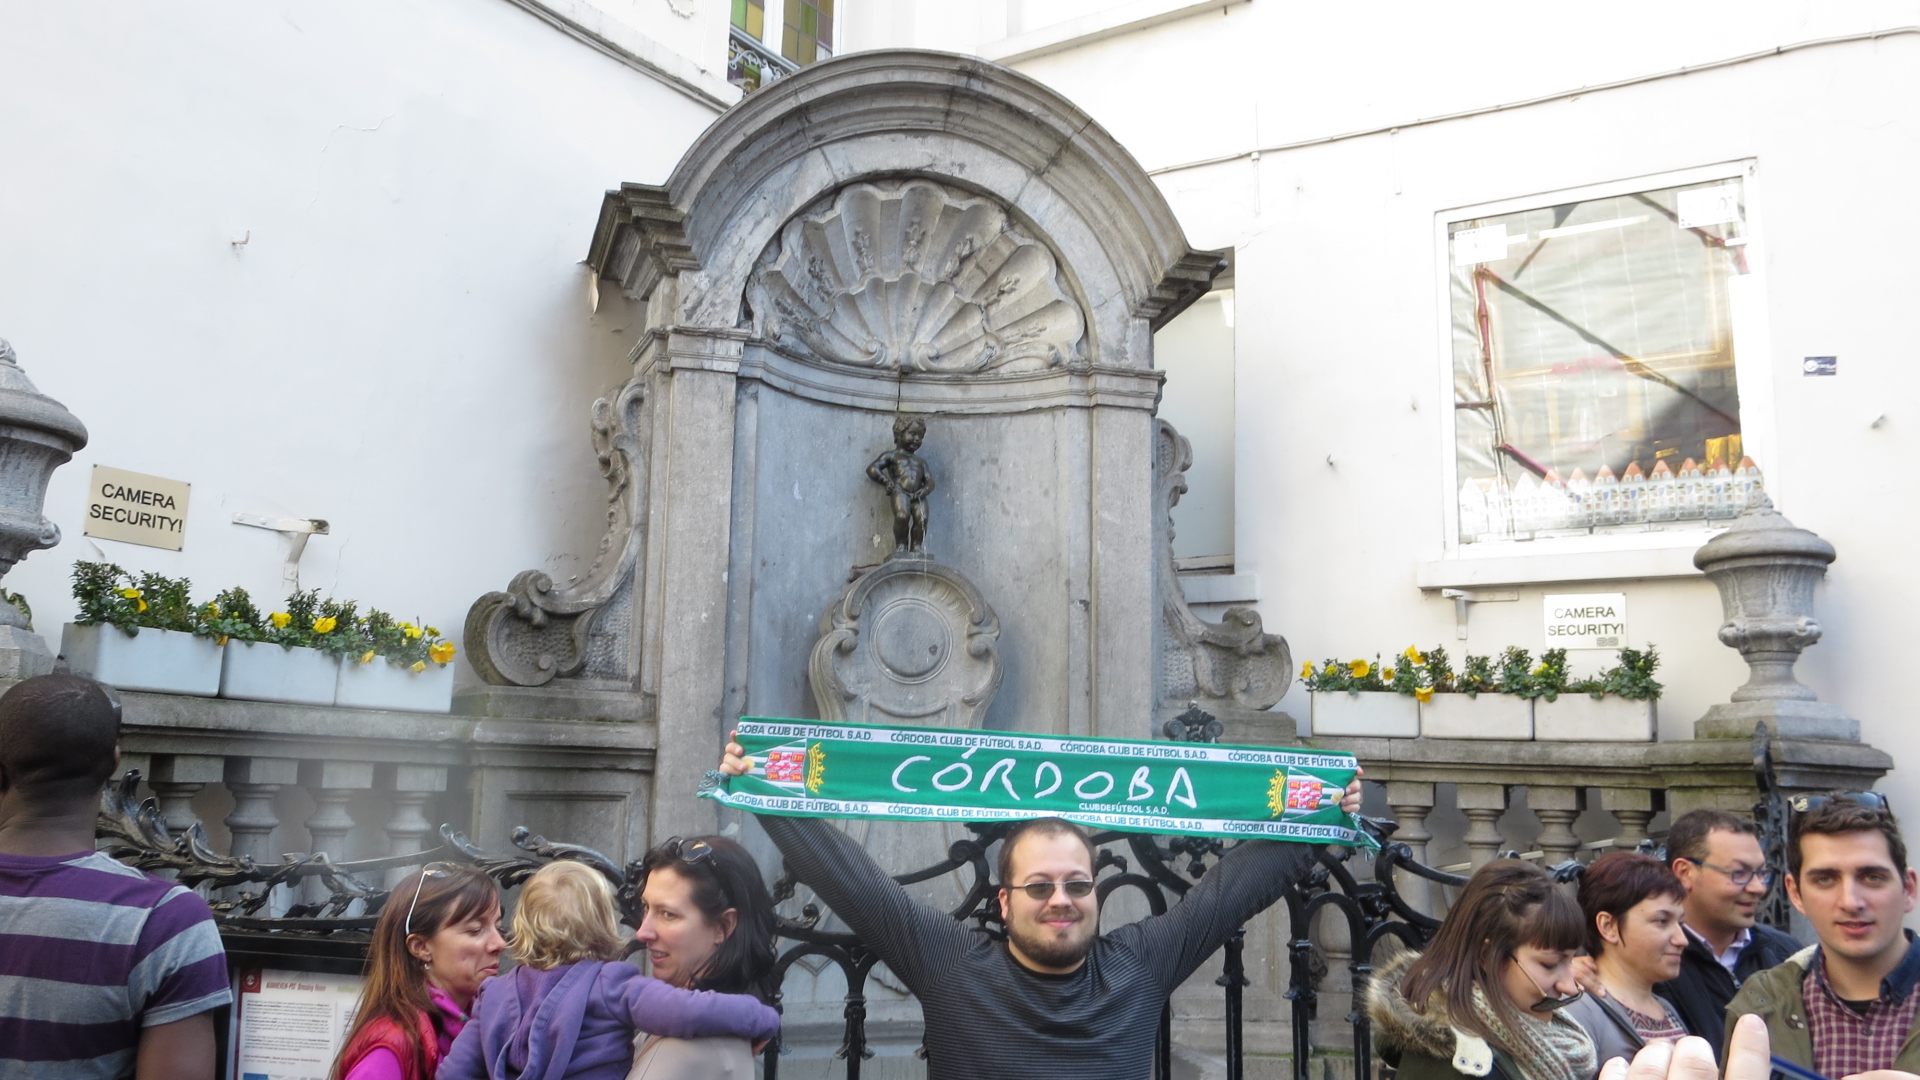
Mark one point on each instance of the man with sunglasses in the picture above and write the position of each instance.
(105, 972)
(1056, 997)
(1845, 1007)
(1717, 857)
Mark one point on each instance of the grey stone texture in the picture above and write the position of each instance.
(37, 436)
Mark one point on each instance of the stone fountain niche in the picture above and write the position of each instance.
(884, 240)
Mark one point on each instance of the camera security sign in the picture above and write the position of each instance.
(1586, 621)
(135, 508)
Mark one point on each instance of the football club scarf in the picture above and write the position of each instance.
(808, 768)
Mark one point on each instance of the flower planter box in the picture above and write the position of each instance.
(1482, 716)
(155, 661)
(1580, 718)
(259, 671)
(1373, 714)
(381, 685)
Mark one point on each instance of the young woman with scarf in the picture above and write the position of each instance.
(1484, 999)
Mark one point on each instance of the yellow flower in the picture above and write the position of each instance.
(434, 630)
(1306, 670)
(367, 657)
(142, 607)
(419, 666)
(222, 640)
(441, 652)
(1413, 654)
(280, 619)
(1359, 668)
(1423, 693)
(412, 630)
(131, 594)
(325, 624)
(213, 611)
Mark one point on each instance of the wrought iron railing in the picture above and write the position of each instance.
(750, 64)
(1159, 869)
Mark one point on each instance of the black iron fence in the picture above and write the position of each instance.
(331, 934)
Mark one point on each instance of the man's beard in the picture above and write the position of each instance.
(1043, 946)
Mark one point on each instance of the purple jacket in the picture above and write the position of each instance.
(577, 1022)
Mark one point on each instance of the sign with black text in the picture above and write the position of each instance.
(135, 508)
(291, 1024)
(1586, 620)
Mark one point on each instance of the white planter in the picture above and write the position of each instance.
(1482, 716)
(1579, 718)
(156, 661)
(380, 685)
(259, 671)
(1370, 713)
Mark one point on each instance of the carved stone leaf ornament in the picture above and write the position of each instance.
(1232, 660)
(915, 276)
(538, 629)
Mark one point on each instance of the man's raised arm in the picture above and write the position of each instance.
(911, 937)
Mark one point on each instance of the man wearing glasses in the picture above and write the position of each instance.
(1057, 997)
(1845, 1007)
(1717, 856)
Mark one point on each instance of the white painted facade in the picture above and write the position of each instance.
(322, 260)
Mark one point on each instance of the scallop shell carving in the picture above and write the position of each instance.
(914, 276)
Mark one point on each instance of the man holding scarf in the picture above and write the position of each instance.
(1057, 998)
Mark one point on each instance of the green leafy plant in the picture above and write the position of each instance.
(406, 644)
(232, 615)
(20, 604)
(1630, 678)
(1353, 676)
(1477, 676)
(1440, 675)
(109, 595)
(1550, 676)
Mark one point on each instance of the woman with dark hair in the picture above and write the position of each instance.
(437, 938)
(708, 925)
(1484, 999)
(1633, 905)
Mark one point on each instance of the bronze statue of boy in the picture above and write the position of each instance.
(908, 480)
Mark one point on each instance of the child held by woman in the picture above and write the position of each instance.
(570, 1010)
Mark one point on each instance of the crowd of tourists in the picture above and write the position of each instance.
(109, 972)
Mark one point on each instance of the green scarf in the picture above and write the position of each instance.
(804, 768)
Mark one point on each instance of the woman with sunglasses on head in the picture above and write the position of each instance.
(708, 925)
(1633, 906)
(1484, 999)
(570, 1010)
(436, 940)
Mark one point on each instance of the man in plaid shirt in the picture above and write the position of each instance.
(1845, 1007)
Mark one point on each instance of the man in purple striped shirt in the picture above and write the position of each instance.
(105, 972)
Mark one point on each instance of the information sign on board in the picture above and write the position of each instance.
(136, 508)
(1586, 621)
(291, 1024)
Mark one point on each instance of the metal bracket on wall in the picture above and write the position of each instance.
(296, 530)
(1462, 597)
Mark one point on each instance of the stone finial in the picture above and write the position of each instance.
(37, 436)
(1765, 568)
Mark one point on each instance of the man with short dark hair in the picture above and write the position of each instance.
(1845, 1007)
(1058, 998)
(105, 972)
(1717, 857)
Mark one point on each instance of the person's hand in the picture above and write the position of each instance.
(1749, 1057)
(1882, 1074)
(759, 1045)
(1350, 802)
(1586, 972)
(735, 761)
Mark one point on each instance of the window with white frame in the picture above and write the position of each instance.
(1592, 341)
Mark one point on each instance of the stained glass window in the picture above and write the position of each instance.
(808, 33)
(1593, 364)
(751, 16)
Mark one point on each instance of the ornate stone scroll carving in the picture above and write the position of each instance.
(538, 630)
(1230, 661)
(915, 276)
(910, 640)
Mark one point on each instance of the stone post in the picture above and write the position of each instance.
(1557, 808)
(1411, 802)
(1482, 804)
(332, 784)
(37, 436)
(1766, 568)
(1632, 808)
(254, 783)
(176, 779)
(413, 785)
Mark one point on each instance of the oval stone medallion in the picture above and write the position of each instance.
(911, 638)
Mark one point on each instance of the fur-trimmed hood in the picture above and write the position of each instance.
(1394, 1021)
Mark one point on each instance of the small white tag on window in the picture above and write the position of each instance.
(1485, 244)
(1700, 207)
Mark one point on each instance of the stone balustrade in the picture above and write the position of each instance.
(271, 779)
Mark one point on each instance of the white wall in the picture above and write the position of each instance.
(403, 346)
(1335, 276)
